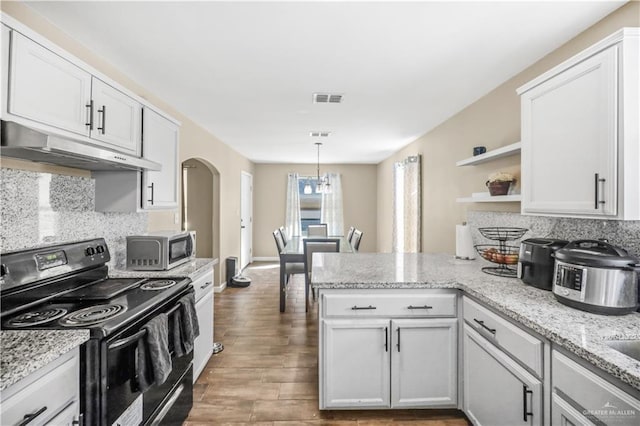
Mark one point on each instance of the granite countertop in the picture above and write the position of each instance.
(189, 269)
(582, 333)
(23, 352)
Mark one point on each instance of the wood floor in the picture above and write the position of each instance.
(268, 371)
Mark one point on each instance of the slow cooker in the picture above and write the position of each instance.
(597, 277)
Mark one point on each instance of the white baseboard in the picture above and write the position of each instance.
(220, 288)
(266, 259)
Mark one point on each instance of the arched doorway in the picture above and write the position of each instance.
(201, 208)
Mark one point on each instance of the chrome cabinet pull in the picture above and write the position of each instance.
(362, 308)
(103, 111)
(90, 106)
(398, 344)
(525, 409)
(151, 187)
(490, 330)
(597, 182)
(207, 284)
(419, 307)
(28, 418)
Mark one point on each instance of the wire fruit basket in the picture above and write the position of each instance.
(505, 256)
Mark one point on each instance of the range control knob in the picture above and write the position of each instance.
(90, 251)
(100, 249)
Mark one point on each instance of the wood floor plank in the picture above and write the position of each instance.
(267, 375)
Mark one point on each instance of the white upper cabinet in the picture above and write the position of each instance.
(580, 138)
(47, 88)
(116, 118)
(160, 189)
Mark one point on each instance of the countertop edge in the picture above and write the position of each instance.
(28, 355)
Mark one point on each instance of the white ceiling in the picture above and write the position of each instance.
(246, 71)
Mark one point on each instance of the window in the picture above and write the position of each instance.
(310, 204)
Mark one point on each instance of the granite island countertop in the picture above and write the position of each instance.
(581, 333)
(189, 269)
(25, 351)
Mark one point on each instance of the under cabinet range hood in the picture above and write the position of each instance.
(22, 142)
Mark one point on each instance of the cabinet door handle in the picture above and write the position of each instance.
(419, 307)
(28, 418)
(151, 187)
(490, 330)
(90, 106)
(398, 344)
(80, 420)
(207, 284)
(525, 409)
(362, 308)
(103, 111)
(597, 181)
(386, 339)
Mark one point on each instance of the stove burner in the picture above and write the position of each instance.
(36, 317)
(158, 285)
(91, 315)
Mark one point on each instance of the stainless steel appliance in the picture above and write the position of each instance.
(19, 141)
(67, 286)
(536, 262)
(161, 250)
(597, 277)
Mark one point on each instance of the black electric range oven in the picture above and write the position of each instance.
(66, 286)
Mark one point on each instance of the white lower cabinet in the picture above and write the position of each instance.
(368, 360)
(48, 396)
(356, 359)
(497, 390)
(203, 344)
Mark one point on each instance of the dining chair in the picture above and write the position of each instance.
(355, 239)
(350, 233)
(315, 245)
(284, 235)
(317, 230)
(290, 268)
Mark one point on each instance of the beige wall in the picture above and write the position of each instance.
(195, 142)
(492, 121)
(270, 187)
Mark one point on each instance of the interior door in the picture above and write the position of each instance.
(246, 218)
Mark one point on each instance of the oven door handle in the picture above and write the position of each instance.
(134, 337)
(168, 405)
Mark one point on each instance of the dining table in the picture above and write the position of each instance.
(293, 252)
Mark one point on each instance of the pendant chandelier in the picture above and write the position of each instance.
(322, 182)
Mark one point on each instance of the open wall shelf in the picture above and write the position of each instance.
(494, 154)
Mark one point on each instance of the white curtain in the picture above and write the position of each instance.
(292, 222)
(407, 205)
(331, 210)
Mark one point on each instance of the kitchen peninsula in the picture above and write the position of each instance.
(493, 325)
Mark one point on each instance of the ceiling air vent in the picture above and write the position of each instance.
(319, 134)
(326, 98)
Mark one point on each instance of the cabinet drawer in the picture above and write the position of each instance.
(203, 283)
(385, 304)
(523, 346)
(48, 390)
(593, 394)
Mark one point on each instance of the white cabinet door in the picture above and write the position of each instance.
(424, 363)
(497, 391)
(570, 139)
(564, 414)
(46, 88)
(203, 345)
(160, 189)
(354, 370)
(117, 118)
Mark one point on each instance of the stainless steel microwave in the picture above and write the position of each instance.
(161, 250)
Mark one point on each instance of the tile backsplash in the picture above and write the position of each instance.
(44, 208)
(625, 234)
